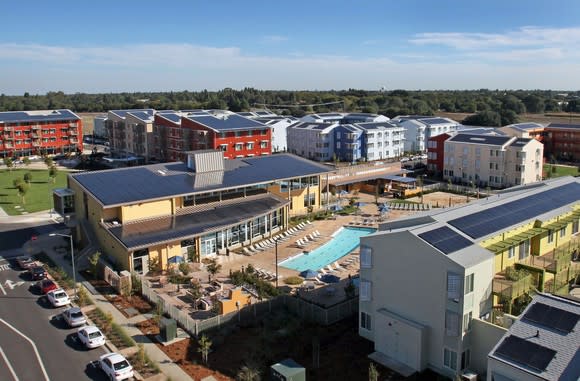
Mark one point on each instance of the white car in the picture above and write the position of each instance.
(91, 336)
(58, 298)
(116, 366)
(74, 317)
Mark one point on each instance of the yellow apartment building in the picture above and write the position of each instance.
(202, 208)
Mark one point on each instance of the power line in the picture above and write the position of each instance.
(298, 105)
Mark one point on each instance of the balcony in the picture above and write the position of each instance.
(509, 290)
(8, 128)
(36, 127)
(36, 143)
(35, 135)
(73, 131)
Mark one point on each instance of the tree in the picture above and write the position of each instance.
(534, 104)
(22, 190)
(248, 373)
(94, 262)
(27, 177)
(49, 162)
(194, 293)
(373, 372)
(8, 163)
(213, 267)
(508, 117)
(204, 347)
(26, 161)
(511, 102)
(52, 172)
(483, 118)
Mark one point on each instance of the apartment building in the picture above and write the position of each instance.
(314, 141)
(208, 205)
(418, 130)
(43, 132)
(430, 284)
(524, 130)
(562, 141)
(492, 160)
(130, 132)
(278, 124)
(543, 344)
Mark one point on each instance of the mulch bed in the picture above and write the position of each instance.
(144, 369)
(108, 332)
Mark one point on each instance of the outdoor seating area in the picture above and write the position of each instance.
(270, 243)
(409, 207)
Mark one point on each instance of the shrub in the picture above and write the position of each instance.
(512, 274)
(184, 268)
(293, 280)
(83, 298)
(124, 336)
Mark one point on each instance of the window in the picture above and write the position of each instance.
(550, 236)
(451, 323)
(478, 151)
(511, 252)
(263, 144)
(250, 132)
(469, 283)
(264, 132)
(239, 146)
(366, 257)
(453, 286)
(309, 199)
(365, 321)
(465, 359)
(562, 232)
(467, 321)
(224, 147)
(249, 145)
(575, 227)
(490, 165)
(524, 249)
(365, 290)
(449, 358)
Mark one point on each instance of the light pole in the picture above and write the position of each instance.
(276, 241)
(72, 253)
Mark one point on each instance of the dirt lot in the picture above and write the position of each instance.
(536, 118)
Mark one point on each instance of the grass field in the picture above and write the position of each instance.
(559, 170)
(39, 196)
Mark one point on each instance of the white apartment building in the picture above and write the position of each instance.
(419, 129)
(495, 161)
(427, 283)
(314, 141)
(382, 140)
(279, 124)
(100, 126)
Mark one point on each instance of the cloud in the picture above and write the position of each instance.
(523, 37)
(164, 67)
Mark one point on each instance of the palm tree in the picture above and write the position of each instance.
(204, 347)
(248, 373)
(213, 267)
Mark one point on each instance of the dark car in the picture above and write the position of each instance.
(37, 272)
(46, 285)
(25, 262)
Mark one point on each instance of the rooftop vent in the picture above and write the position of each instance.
(205, 161)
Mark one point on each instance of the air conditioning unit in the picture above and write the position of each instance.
(469, 376)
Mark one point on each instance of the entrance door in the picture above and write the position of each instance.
(210, 246)
(141, 261)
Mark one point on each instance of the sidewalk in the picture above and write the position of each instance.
(168, 368)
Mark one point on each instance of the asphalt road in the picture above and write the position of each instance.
(35, 344)
(14, 235)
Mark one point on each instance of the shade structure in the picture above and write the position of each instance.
(176, 259)
(308, 274)
(329, 278)
(359, 204)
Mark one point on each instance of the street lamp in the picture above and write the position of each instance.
(276, 241)
(72, 253)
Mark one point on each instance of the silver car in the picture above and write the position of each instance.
(74, 317)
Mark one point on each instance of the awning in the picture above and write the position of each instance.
(515, 240)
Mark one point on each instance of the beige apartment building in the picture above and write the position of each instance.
(130, 132)
(494, 161)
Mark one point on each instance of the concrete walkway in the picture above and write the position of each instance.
(170, 370)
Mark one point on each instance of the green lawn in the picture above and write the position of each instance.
(39, 196)
(559, 171)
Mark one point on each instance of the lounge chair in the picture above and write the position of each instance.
(312, 237)
(330, 269)
(323, 271)
(247, 252)
(317, 234)
(308, 222)
(339, 267)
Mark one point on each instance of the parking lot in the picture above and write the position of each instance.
(35, 343)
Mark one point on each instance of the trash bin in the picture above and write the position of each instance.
(168, 329)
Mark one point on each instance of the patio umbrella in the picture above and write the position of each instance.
(175, 259)
(330, 278)
(308, 274)
(343, 193)
(383, 208)
(359, 204)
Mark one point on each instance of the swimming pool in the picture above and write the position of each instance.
(343, 241)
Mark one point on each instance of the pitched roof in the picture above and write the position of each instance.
(480, 139)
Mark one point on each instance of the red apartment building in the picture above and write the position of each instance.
(436, 152)
(562, 141)
(25, 133)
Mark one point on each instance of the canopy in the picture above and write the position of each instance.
(309, 274)
(176, 259)
(330, 278)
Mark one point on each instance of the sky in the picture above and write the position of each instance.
(128, 46)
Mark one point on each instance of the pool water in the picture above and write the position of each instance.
(342, 243)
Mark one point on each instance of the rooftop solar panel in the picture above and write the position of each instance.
(491, 220)
(36, 116)
(445, 239)
(231, 122)
(525, 353)
(466, 137)
(551, 317)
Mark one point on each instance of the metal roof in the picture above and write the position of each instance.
(480, 139)
(520, 142)
(437, 121)
(564, 125)
(228, 122)
(160, 181)
(172, 117)
(37, 116)
(123, 113)
(137, 235)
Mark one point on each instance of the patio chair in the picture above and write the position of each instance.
(317, 234)
(308, 222)
(330, 269)
(311, 237)
(319, 282)
(339, 267)
(323, 271)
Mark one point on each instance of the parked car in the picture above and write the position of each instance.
(58, 297)
(74, 317)
(91, 337)
(46, 285)
(25, 262)
(37, 272)
(116, 366)
(404, 159)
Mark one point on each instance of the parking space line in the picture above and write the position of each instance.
(2, 289)
(9, 365)
(33, 347)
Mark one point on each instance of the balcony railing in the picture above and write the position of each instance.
(510, 289)
(73, 131)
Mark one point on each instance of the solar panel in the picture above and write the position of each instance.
(526, 353)
(445, 240)
(552, 317)
(488, 221)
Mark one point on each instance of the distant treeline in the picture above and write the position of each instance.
(493, 107)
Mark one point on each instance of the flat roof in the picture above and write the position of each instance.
(37, 116)
(226, 123)
(480, 139)
(142, 234)
(159, 181)
(564, 126)
(356, 179)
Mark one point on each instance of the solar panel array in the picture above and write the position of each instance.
(551, 317)
(526, 353)
(26, 116)
(231, 122)
(491, 220)
(445, 239)
(467, 137)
